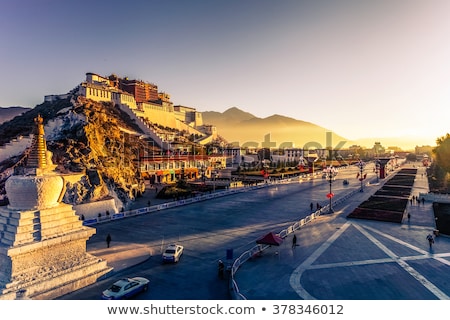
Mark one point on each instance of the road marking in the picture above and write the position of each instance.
(402, 263)
(392, 257)
(298, 272)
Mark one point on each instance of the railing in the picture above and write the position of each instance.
(172, 204)
(258, 249)
(248, 254)
(435, 197)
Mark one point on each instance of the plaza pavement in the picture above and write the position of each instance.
(338, 258)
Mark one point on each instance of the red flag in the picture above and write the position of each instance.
(365, 175)
(357, 176)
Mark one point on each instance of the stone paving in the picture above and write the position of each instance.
(338, 258)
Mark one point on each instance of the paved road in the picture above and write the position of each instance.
(347, 259)
(206, 230)
(336, 258)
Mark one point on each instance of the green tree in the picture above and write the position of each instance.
(442, 152)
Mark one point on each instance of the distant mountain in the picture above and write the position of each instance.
(242, 127)
(232, 115)
(8, 113)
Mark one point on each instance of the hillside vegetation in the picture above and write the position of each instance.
(85, 138)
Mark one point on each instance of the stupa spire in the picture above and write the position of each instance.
(38, 154)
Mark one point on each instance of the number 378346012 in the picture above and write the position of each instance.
(308, 309)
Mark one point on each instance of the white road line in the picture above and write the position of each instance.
(295, 278)
(417, 275)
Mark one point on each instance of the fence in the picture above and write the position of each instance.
(177, 203)
(258, 249)
(435, 197)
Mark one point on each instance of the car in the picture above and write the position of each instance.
(125, 288)
(172, 253)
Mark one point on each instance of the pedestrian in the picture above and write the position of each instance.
(294, 241)
(108, 240)
(221, 269)
(409, 216)
(430, 239)
(311, 206)
(423, 200)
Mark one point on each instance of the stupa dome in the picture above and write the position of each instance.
(34, 192)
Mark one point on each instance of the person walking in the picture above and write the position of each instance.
(108, 240)
(311, 206)
(221, 269)
(430, 239)
(294, 241)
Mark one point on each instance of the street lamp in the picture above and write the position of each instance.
(215, 174)
(377, 168)
(331, 173)
(202, 171)
(361, 166)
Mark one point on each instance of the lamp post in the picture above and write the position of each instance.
(377, 168)
(214, 176)
(361, 166)
(202, 170)
(331, 172)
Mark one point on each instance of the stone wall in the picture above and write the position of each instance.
(92, 209)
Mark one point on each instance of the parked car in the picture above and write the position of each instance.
(172, 253)
(125, 288)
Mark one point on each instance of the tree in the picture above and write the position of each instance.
(442, 152)
(411, 157)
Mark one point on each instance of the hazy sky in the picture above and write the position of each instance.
(359, 68)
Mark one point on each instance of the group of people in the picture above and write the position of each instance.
(311, 206)
(416, 199)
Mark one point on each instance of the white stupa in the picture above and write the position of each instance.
(42, 241)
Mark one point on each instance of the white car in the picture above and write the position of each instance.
(172, 253)
(125, 288)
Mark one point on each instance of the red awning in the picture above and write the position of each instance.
(270, 239)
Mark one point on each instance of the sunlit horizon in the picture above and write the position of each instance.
(376, 70)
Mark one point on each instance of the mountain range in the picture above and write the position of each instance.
(8, 113)
(236, 125)
(240, 127)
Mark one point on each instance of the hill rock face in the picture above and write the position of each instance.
(243, 128)
(9, 113)
(86, 143)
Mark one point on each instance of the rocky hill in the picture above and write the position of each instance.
(8, 113)
(239, 126)
(87, 142)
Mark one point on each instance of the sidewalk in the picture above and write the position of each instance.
(337, 258)
(420, 212)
